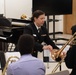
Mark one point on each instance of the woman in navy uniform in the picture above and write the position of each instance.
(38, 30)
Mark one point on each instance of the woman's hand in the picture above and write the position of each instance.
(47, 47)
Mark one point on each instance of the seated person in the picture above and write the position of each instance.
(70, 59)
(27, 64)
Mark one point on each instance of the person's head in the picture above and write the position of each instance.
(73, 28)
(38, 17)
(26, 44)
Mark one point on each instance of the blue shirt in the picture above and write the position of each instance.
(26, 65)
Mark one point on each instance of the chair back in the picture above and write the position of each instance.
(65, 72)
(9, 54)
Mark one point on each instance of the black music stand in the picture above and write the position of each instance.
(4, 22)
(2, 60)
(1, 15)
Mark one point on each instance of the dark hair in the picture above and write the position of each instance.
(73, 28)
(36, 14)
(25, 44)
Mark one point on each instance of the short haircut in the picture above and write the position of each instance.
(73, 28)
(25, 44)
(36, 14)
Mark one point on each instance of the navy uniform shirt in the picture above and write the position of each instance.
(39, 37)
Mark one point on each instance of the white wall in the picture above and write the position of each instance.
(1, 6)
(15, 8)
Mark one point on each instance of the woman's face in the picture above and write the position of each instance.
(40, 20)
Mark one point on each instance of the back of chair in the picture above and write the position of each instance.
(10, 57)
(65, 72)
(9, 54)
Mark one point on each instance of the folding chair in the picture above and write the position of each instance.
(65, 72)
(9, 54)
(10, 57)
